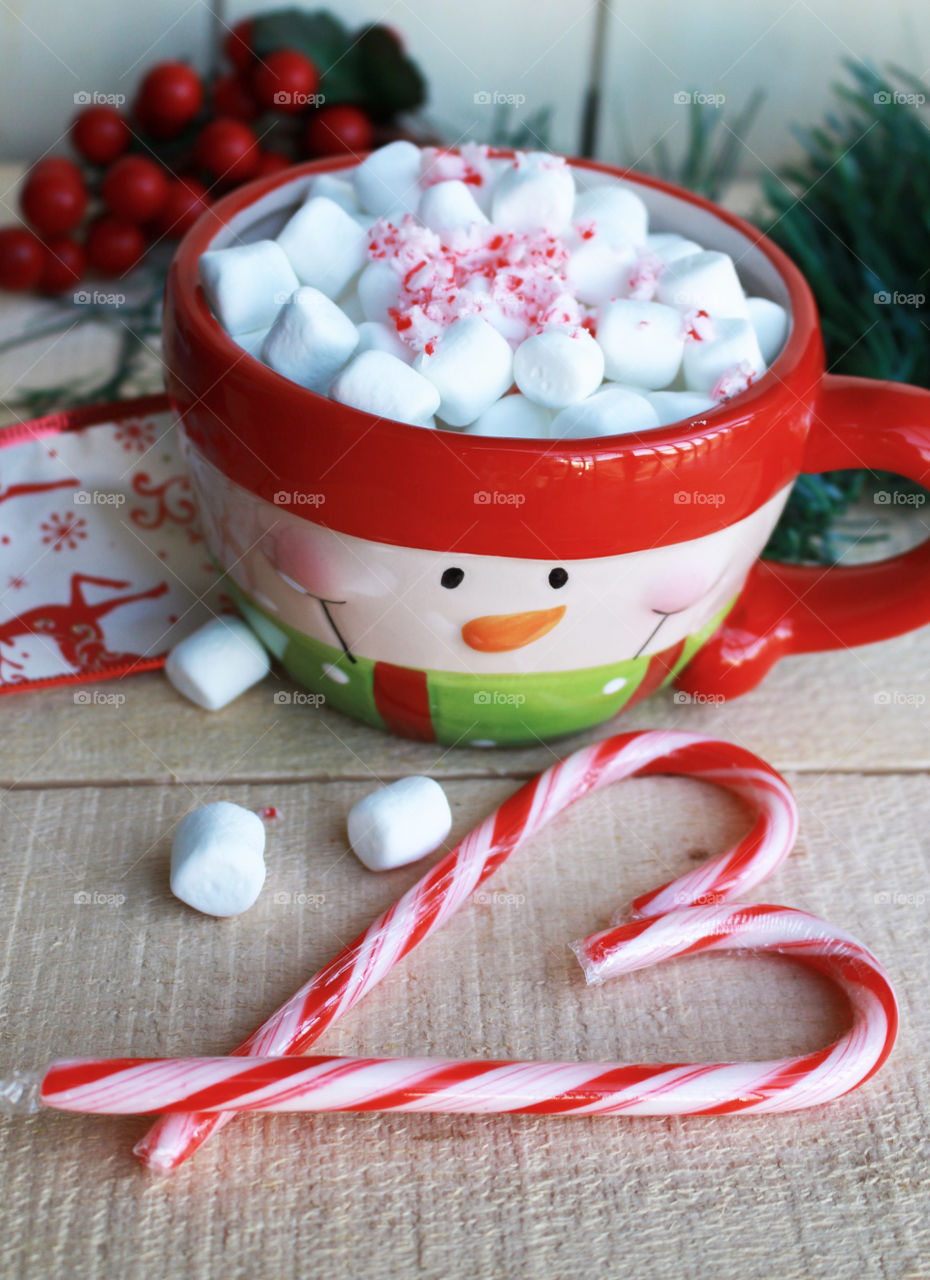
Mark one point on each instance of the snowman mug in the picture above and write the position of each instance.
(470, 589)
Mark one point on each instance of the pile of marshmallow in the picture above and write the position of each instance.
(484, 294)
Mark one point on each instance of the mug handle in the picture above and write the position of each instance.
(786, 608)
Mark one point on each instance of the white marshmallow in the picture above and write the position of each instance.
(310, 340)
(770, 322)
(733, 343)
(373, 336)
(555, 368)
(536, 193)
(448, 206)
(672, 406)
(217, 859)
(703, 282)
(378, 289)
(596, 271)
(670, 247)
(325, 245)
(620, 217)
(642, 342)
(335, 188)
(379, 383)
(399, 823)
(216, 664)
(387, 181)
(513, 416)
(252, 342)
(245, 285)
(471, 367)
(607, 413)
(350, 304)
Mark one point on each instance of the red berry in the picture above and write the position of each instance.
(169, 98)
(100, 134)
(338, 130)
(238, 45)
(185, 202)
(230, 97)
(64, 265)
(271, 162)
(114, 245)
(21, 258)
(54, 197)
(135, 188)
(285, 81)
(227, 149)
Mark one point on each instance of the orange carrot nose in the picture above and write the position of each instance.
(498, 632)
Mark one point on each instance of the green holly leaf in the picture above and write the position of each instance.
(320, 36)
(391, 81)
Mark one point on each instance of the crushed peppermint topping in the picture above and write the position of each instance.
(515, 280)
(733, 382)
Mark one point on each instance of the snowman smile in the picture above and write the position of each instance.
(499, 632)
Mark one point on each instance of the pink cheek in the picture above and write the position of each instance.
(293, 554)
(678, 590)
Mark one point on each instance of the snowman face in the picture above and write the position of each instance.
(465, 613)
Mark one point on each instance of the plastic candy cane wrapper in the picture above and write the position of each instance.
(200, 1095)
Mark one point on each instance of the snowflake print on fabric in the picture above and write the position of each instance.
(136, 435)
(105, 604)
(63, 532)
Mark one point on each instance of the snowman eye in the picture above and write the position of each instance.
(452, 577)
(558, 578)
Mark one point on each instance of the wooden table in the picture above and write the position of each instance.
(90, 796)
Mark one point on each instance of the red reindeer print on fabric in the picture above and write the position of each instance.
(74, 627)
(22, 490)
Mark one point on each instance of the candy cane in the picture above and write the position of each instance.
(129, 1086)
(451, 882)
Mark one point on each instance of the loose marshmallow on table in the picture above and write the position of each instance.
(378, 290)
(399, 823)
(672, 406)
(217, 859)
(703, 282)
(449, 206)
(245, 285)
(373, 336)
(642, 342)
(537, 193)
(216, 664)
(387, 181)
(609, 412)
(379, 383)
(770, 322)
(325, 245)
(670, 247)
(471, 367)
(310, 340)
(513, 416)
(733, 343)
(619, 216)
(555, 368)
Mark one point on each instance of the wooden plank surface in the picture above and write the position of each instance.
(840, 1191)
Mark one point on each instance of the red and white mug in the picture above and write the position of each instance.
(494, 590)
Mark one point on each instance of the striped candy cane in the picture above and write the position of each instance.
(211, 1085)
(452, 881)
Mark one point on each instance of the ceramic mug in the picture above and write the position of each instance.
(469, 589)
